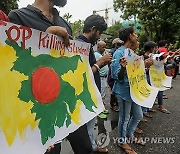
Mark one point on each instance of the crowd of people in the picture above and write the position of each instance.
(109, 69)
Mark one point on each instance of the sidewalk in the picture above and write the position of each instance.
(161, 128)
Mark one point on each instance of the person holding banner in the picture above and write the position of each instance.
(130, 113)
(94, 26)
(149, 48)
(44, 17)
(162, 49)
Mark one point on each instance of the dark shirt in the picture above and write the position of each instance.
(92, 61)
(112, 51)
(32, 17)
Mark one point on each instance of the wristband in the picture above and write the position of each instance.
(97, 67)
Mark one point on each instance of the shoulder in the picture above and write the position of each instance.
(119, 52)
(19, 11)
(16, 15)
(97, 54)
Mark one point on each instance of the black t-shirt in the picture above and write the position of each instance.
(33, 18)
(92, 61)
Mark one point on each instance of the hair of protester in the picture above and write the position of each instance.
(149, 45)
(162, 43)
(94, 20)
(124, 33)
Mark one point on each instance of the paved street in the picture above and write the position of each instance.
(158, 130)
(162, 126)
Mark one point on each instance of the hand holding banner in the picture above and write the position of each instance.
(141, 92)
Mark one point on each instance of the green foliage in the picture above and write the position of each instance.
(159, 18)
(114, 32)
(67, 17)
(7, 5)
(114, 29)
(77, 27)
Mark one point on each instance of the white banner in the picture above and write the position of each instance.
(46, 90)
(141, 92)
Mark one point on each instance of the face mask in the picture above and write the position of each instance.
(60, 3)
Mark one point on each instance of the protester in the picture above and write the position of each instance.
(174, 60)
(162, 49)
(94, 26)
(149, 48)
(126, 124)
(44, 17)
(101, 46)
(116, 43)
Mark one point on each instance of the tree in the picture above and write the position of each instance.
(67, 17)
(8, 5)
(77, 27)
(159, 18)
(114, 29)
(114, 32)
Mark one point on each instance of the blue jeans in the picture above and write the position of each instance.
(160, 98)
(144, 109)
(90, 127)
(130, 115)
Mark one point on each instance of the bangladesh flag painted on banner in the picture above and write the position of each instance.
(46, 90)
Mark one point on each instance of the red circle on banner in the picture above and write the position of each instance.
(45, 85)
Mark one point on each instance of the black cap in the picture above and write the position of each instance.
(60, 3)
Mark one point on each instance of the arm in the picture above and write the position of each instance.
(117, 70)
(60, 31)
(123, 63)
(101, 62)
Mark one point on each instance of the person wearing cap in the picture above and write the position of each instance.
(3, 16)
(44, 17)
(116, 43)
